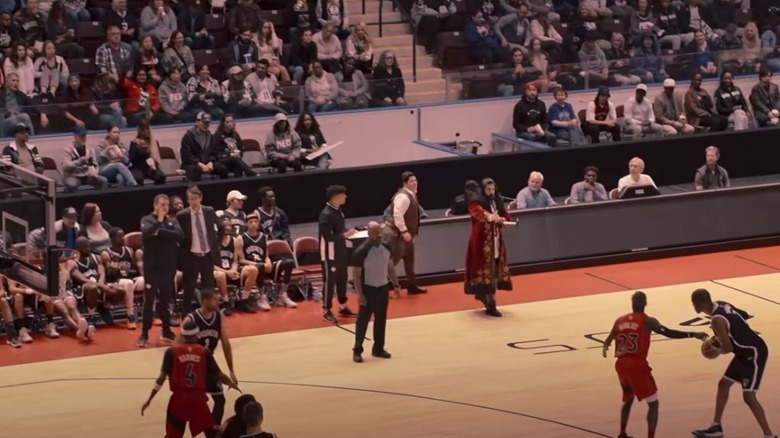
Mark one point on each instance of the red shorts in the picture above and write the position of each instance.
(636, 378)
(192, 408)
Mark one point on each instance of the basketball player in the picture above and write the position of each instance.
(121, 267)
(632, 335)
(253, 415)
(12, 337)
(189, 366)
(230, 271)
(22, 296)
(746, 367)
(211, 330)
(255, 253)
(66, 305)
(234, 212)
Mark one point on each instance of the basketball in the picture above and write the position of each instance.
(709, 348)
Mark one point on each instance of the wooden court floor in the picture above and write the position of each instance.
(537, 372)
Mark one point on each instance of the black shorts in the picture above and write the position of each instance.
(748, 370)
(214, 386)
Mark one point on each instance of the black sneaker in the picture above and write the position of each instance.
(493, 312)
(382, 354)
(624, 436)
(13, 341)
(329, 318)
(347, 312)
(357, 358)
(715, 430)
(143, 340)
(168, 337)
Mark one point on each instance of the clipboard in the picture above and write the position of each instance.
(323, 150)
(359, 235)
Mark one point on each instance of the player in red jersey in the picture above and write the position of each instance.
(188, 365)
(631, 333)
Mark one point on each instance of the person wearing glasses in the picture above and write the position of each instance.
(588, 190)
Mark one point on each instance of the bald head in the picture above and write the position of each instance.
(374, 230)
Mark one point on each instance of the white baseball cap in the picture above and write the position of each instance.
(642, 87)
(669, 83)
(235, 194)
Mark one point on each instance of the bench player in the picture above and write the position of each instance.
(230, 271)
(12, 337)
(746, 367)
(121, 269)
(21, 296)
(631, 333)
(88, 276)
(211, 331)
(189, 366)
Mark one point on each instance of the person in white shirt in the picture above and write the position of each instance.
(638, 114)
(635, 176)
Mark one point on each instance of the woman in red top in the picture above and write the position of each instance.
(142, 99)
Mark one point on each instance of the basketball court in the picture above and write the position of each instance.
(536, 372)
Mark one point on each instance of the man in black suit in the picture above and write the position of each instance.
(200, 249)
(196, 149)
(161, 237)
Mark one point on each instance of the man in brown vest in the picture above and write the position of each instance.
(401, 229)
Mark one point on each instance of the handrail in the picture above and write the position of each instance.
(442, 148)
(406, 18)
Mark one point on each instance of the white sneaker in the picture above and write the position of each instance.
(24, 335)
(262, 303)
(81, 331)
(51, 331)
(91, 332)
(285, 301)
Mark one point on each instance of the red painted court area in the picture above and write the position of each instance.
(444, 298)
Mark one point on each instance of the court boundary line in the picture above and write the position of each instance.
(745, 292)
(609, 281)
(342, 388)
(756, 262)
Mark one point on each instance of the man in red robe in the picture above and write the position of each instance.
(486, 267)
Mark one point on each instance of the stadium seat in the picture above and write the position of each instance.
(307, 256)
(451, 50)
(169, 165)
(134, 240)
(84, 67)
(50, 169)
(254, 155)
(280, 248)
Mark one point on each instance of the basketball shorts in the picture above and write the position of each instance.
(748, 370)
(214, 386)
(183, 408)
(636, 378)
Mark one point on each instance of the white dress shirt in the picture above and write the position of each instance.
(400, 205)
(197, 246)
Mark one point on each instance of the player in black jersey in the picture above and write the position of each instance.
(12, 337)
(746, 367)
(253, 415)
(273, 220)
(120, 263)
(255, 253)
(229, 269)
(211, 332)
(21, 296)
(234, 212)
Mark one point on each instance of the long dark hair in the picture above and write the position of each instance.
(87, 213)
(300, 129)
(497, 198)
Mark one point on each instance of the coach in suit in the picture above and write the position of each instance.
(199, 251)
(161, 237)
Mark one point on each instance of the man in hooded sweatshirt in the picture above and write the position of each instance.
(530, 118)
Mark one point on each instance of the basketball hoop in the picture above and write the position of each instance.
(64, 255)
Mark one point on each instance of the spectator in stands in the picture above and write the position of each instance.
(273, 220)
(329, 50)
(648, 63)
(731, 41)
(543, 30)
(534, 196)
(643, 24)
(752, 54)
(195, 151)
(192, 21)
(30, 26)
(127, 23)
(268, 43)
(546, 8)
(635, 176)
(493, 9)
(595, 69)
(311, 140)
(669, 111)
(765, 99)
(334, 12)
(700, 108)
(51, 71)
(283, 146)
(483, 43)
(620, 62)
(529, 118)
(178, 55)
(142, 100)
(113, 159)
(300, 15)
(360, 47)
(584, 28)
(114, 57)
(144, 156)
(79, 165)
(158, 21)
(322, 90)
(66, 230)
(265, 89)
(539, 59)
(704, 60)
(6, 32)
(596, 8)
(239, 97)
(226, 151)
(622, 10)
(61, 30)
(519, 73)
(145, 58)
(94, 228)
(564, 123)
(673, 20)
(426, 18)
(601, 116)
(639, 116)
(711, 175)
(106, 96)
(588, 190)
(242, 50)
(21, 64)
(76, 10)
(278, 70)
(245, 15)
(731, 103)
(302, 54)
(389, 87)
(22, 153)
(205, 93)
(18, 107)
(514, 30)
(173, 100)
(78, 108)
(353, 86)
